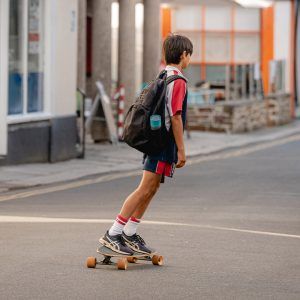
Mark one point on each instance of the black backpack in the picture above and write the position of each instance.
(151, 101)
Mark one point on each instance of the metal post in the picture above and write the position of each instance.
(227, 83)
(251, 81)
(121, 109)
(244, 81)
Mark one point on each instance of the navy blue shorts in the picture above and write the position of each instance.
(159, 167)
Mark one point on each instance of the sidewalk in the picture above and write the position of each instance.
(105, 158)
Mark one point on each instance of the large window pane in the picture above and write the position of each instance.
(187, 17)
(35, 55)
(16, 59)
(247, 19)
(216, 74)
(217, 47)
(217, 17)
(193, 74)
(247, 48)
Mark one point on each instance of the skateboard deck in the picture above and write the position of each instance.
(123, 260)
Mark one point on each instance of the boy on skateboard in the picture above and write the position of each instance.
(122, 236)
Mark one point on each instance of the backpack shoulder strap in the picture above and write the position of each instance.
(171, 79)
(175, 77)
(161, 74)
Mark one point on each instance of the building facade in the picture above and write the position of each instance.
(51, 47)
(229, 34)
(38, 71)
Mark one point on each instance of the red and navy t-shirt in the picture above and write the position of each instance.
(176, 92)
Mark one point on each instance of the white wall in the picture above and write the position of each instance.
(298, 58)
(61, 58)
(3, 74)
(282, 37)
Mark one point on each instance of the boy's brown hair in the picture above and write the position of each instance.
(174, 46)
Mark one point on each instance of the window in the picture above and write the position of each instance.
(26, 57)
(216, 74)
(193, 74)
(221, 35)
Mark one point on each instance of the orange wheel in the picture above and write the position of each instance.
(131, 259)
(91, 262)
(157, 260)
(122, 264)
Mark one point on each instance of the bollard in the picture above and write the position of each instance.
(121, 108)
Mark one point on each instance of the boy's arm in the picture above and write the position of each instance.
(177, 128)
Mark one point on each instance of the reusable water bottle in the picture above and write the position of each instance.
(155, 122)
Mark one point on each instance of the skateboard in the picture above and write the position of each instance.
(123, 260)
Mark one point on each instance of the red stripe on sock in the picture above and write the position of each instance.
(120, 222)
(122, 219)
(133, 219)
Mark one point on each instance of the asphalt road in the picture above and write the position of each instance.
(231, 231)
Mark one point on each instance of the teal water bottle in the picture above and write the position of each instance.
(155, 122)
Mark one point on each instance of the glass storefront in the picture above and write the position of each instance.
(35, 56)
(16, 61)
(26, 56)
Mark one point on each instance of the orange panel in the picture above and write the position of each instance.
(203, 68)
(292, 55)
(267, 43)
(165, 22)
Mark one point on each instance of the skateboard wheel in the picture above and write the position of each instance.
(157, 260)
(131, 259)
(122, 264)
(91, 262)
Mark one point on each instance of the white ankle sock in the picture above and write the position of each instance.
(131, 227)
(118, 226)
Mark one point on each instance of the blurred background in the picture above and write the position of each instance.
(243, 76)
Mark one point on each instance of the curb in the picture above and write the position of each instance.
(12, 189)
(243, 145)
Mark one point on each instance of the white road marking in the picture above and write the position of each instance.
(20, 219)
(110, 177)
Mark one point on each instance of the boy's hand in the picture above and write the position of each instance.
(181, 159)
(177, 128)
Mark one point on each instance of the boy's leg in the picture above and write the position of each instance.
(148, 187)
(140, 210)
(135, 219)
(155, 167)
(137, 202)
(114, 238)
(144, 194)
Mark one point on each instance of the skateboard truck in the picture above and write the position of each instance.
(107, 260)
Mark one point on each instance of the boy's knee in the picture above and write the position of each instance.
(151, 190)
(155, 187)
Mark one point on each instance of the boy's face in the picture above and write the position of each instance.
(185, 60)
